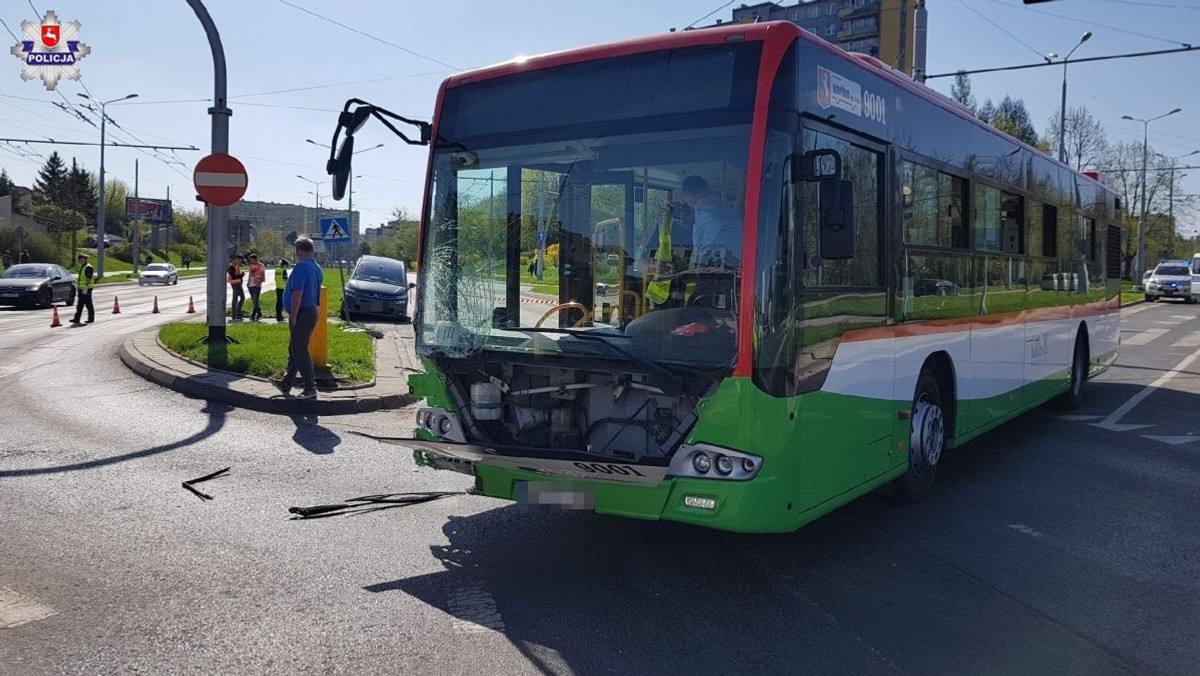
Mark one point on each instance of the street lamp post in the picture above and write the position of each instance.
(315, 193)
(1062, 121)
(100, 235)
(1141, 250)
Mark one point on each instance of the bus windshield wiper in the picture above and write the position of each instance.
(663, 378)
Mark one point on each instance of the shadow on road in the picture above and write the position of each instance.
(314, 438)
(216, 420)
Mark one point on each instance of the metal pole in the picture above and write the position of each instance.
(218, 217)
(100, 214)
(920, 36)
(1171, 214)
(1062, 120)
(137, 219)
(1141, 250)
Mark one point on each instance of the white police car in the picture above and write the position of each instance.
(1172, 279)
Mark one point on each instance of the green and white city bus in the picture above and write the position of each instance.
(736, 277)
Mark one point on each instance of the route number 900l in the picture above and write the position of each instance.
(874, 107)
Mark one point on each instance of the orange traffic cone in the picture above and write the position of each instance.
(191, 306)
(155, 310)
(54, 320)
(116, 306)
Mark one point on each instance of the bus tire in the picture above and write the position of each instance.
(1079, 372)
(927, 438)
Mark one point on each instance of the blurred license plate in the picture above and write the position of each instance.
(9, 295)
(554, 494)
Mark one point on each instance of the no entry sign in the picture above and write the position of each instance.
(220, 179)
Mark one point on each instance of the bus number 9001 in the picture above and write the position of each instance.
(605, 468)
(874, 107)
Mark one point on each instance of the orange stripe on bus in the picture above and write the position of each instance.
(940, 326)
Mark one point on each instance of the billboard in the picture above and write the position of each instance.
(148, 210)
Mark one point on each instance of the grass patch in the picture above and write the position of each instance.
(261, 349)
(1128, 297)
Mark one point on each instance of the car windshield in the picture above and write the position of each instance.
(604, 196)
(1172, 270)
(156, 267)
(386, 272)
(32, 271)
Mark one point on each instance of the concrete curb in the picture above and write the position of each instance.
(143, 355)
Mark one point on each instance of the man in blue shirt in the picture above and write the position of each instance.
(302, 296)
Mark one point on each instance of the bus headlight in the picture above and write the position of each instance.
(699, 460)
(724, 465)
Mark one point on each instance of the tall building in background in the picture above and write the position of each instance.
(881, 28)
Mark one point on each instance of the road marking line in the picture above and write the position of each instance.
(474, 610)
(1112, 422)
(1144, 337)
(16, 610)
(1174, 441)
(1192, 340)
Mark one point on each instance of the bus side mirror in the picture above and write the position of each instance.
(835, 201)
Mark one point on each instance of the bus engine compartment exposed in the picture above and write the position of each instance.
(613, 415)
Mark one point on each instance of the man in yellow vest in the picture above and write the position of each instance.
(280, 283)
(85, 282)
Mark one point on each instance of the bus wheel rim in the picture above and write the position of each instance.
(928, 435)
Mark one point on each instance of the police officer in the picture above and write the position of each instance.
(85, 283)
(281, 276)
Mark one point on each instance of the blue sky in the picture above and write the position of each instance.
(157, 50)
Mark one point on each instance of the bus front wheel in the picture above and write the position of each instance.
(927, 438)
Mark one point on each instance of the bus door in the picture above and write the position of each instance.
(597, 246)
(841, 313)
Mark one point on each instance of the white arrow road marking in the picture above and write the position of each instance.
(1174, 441)
(17, 610)
(1112, 422)
(1028, 530)
(1143, 337)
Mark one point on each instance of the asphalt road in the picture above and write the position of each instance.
(1051, 546)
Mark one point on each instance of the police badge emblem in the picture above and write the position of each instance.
(50, 51)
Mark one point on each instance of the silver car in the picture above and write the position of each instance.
(1172, 280)
(158, 273)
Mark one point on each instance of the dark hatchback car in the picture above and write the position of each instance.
(34, 284)
(378, 286)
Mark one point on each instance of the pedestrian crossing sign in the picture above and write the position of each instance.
(335, 230)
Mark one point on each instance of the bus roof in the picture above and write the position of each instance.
(739, 32)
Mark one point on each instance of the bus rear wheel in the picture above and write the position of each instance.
(1079, 373)
(927, 439)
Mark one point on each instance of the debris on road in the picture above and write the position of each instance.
(369, 503)
(201, 494)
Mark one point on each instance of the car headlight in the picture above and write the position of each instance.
(35, 287)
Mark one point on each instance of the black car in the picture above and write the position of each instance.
(34, 284)
(378, 286)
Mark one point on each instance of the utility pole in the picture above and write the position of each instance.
(100, 211)
(920, 36)
(218, 217)
(137, 219)
(1141, 250)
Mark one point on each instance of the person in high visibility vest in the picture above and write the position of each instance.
(234, 276)
(258, 275)
(281, 275)
(84, 284)
(666, 262)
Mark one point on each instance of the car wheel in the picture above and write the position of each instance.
(174, 281)
(45, 298)
(927, 438)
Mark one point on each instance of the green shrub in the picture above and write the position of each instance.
(40, 247)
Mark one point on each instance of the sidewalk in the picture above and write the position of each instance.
(394, 360)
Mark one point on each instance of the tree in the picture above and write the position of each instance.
(1126, 159)
(79, 194)
(961, 91)
(1011, 117)
(192, 227)
(268, 244)
(1086, 141)
(364, 248)
(51, 183)
(115, 192)
(58, 222)
(6, 184)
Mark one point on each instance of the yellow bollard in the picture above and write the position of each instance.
(318, 344)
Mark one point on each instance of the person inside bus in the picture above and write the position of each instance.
(717, 229)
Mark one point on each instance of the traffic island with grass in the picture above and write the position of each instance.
(261, 351)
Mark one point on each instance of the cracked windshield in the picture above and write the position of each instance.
(591, 222)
